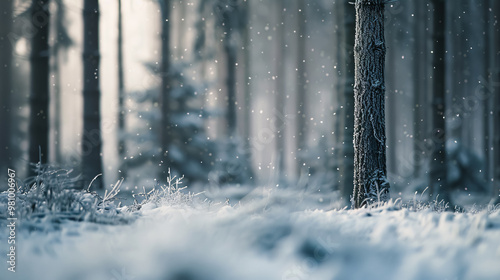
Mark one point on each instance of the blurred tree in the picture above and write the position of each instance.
(165, 104)
(370, 171)
(419, 86)
(280, 88)
(39, 98)
(61, 45)
(6, 7)
(495, 33)
(247, 87)
(122, 148)
(438, 174)
(229, 17)
(346, 168)
(301, 85)
(91, 137)
(233, 165)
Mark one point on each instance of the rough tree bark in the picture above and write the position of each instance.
(347, 151)
(438, 174)
(5, 82)
(39, 98)
(91, 137)
(166, 129)
(370, 171)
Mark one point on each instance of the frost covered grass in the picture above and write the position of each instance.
(269, 233)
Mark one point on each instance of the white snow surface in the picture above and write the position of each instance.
(273, 235)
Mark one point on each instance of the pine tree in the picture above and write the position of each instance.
(39, 98)
(370, 171)
(91, 137)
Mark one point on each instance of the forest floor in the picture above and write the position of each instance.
(269, 233)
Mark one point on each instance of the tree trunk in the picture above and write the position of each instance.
(39, 99)
(280, 90)
(91, 138)
(6, 7)
(489, 91)
(438, 174)
(301, 84)
(419, 86)
(231, 60)
(121, 97)
(496, 79)
(347, 152)
(370, 171)
(246, 78)
(61, 43)
(166, 131)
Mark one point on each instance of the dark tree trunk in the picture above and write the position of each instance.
(301, 84)
(438, 174)
(419, 88)
(280, 89)
(370, 171)
(247, 73)
(229, 25)
(496, 79)
(6, 7)
(39, 98)
(91, 138)
(347, 152)
(121, 97)
(166, 127)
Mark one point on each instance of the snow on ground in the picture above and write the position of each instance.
(265, 236)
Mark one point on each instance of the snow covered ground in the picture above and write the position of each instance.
(269, 234)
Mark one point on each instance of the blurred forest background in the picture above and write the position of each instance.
(229, 92)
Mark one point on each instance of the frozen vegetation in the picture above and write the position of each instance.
(256, 233)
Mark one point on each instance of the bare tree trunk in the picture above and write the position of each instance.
(280, 89)
(61, 43)
(489, 91)
(91, 138)
(6, 7)
(231, 60)
(370, 171)
(419, 87)
(39, 99)
(247, 73)
(301, 83)
(347, 152)
(166, 128)
(438, 174)
(496, 77)
(122, 148)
